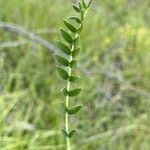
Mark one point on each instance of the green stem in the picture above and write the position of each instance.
(67, 102)
(66, 115)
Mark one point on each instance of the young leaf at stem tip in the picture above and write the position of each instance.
(67, 37)
(65, 49)
(90, 3)
(84, 4)
(62, 60)
(71, 133)
(80, 6)
(70, 26)
(74, 92)
(76, 8)
(73, 110)
(62, 73)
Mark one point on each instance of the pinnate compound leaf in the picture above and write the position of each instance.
(64, 132)
(73, 110)
(62, 73)
(73, 63)
(78, 20)
(74, 92)
(71, 133)
(62, 60)
(65, 49)
(70, 26)
(76, 8)
(68, 38)
(64, 91)
(75, 52)
(73, 78)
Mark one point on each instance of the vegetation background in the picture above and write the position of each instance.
(114, 67)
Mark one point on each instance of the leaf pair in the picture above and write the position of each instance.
(70, 111)
(71, 93)
(64, 132)
(66, 50)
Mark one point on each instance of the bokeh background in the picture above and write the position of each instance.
(114, 66)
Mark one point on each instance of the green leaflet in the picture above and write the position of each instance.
(89, 3)
(73, 79)
(65, 49)
(71, 133)
(74, 92)
(78, 20)
(76, 8)
(62, 60)
(64, 132)
(80, 29)
(64, 91)
(63, 107)
(62, 73)
(84, 4)
(73, 110)
(75, 52)
(70, 26)
(73, 63)
(80, 6)
(67, 37)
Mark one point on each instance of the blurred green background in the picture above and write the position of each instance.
(114, 69)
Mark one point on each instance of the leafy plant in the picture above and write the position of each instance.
(74, 25)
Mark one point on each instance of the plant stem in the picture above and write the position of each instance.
(66, 115)
(67, 101)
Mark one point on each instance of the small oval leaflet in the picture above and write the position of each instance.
(67, 37)
(73, 78)
(78, 20)
(75, 40)
(73, 63)
(75, 52)
(64, 132)
(62, 73)
(73, 110)
(71, 133)
(80, 5)
(64, 91)
(65, 49)
(76, 8)
(74, 92)
(62, 60)
(84, 4)
(70, 26)
(63, 107)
